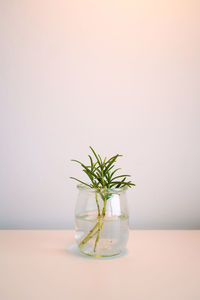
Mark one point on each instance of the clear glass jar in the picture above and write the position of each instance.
(101, 221)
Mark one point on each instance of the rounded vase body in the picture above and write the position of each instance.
(101, 221)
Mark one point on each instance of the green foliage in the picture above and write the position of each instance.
(100, 174)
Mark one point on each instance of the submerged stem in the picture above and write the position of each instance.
(97, 238)
(89, 236)
(98, 225)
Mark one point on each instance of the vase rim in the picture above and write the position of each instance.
(112, 190)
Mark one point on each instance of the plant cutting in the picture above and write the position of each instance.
(101, 210)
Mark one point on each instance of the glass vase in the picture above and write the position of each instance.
(101, 221)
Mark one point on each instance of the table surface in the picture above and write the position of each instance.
(45, 264)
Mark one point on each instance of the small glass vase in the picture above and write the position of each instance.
(101, 221)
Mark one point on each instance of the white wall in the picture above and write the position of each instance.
(122, 76)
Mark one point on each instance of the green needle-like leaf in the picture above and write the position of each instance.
(121, 176)
(80, 181)
(99, 173)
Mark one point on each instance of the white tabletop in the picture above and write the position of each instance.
(45, 264)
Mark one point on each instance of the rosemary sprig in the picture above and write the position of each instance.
(100, 175)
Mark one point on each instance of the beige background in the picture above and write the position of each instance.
(122, 76)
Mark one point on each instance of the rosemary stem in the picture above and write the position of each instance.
(88, 236)
(96, 197)
(98, 225)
